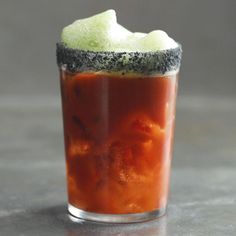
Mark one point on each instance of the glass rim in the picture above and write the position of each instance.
(77, 60)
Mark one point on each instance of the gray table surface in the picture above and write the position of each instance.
(32, 172)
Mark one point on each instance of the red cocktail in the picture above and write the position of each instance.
(118, 97)
(118, 134)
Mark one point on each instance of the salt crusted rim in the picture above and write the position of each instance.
(76, 60)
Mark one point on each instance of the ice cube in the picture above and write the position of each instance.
(71, 184)
(79, 148)
(141, 127)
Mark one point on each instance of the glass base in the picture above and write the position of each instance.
(115, 218)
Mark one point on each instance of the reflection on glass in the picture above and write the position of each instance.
(86, 228)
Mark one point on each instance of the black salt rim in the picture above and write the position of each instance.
(76, 60)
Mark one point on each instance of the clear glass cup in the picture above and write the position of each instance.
(118, 114)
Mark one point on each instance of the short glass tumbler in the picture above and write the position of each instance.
(118, 114)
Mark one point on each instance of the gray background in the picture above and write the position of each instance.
(29, 30)
(32, 168)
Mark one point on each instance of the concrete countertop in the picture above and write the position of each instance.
(32, 172)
